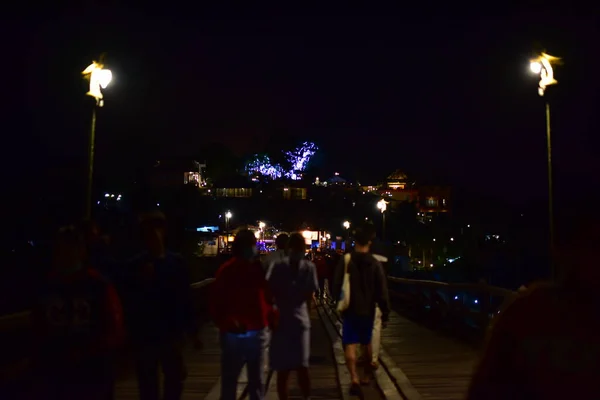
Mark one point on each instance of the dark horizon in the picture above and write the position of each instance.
(450, 100)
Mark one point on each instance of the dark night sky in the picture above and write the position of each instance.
(444, 98)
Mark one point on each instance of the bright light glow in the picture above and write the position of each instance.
(99, 79)
(228, 215)
(328, 236)
(382, 205)
(536, 67)
(261, 225)
(346, 224)
(434, 239)
(452, 239)
(431, 265)
(257, 234)
(106, 195)
(307, 234)
(542, 65)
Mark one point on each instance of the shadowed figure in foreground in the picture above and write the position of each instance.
(544, 344)
(159, 312)
(78, 324)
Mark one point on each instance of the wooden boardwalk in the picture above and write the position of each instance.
(437, 366)
(203, 370)
(204, 367)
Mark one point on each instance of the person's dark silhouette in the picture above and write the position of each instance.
(78, 323)
(544, 343)
(159, 312)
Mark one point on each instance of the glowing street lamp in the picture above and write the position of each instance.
(382, 206)
(228, 216)
(346, 225)
(99, 78)
(542, 65)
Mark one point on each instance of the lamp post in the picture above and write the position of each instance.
(228, 216)
(542, 66)
(382, 206)
(99, 78)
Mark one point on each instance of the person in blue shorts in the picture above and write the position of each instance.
(368, 289)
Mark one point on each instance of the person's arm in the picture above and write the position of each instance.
(216, 297)
(115, 335)
(338, 279)
(186, 300)
(382, 295)
(313, 285)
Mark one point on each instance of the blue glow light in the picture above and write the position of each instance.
(298, 159)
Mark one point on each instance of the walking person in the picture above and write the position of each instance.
(293, 283)
(78, 323)
(367, 289)
(378, 252)
(241, 306)
(159, 312)
(278, 255)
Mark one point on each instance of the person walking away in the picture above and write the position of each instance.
(278, 255)
(78, 323)
(293, 283)
(159, 312)
(378, 252)
(241, 306)
(367, 289)
(322, 274)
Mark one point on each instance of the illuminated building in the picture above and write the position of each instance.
(195, 177)
(169, 173)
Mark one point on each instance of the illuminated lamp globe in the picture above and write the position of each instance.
(536, 67)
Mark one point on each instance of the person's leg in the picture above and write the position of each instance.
(349, 340)
(174, 370)
(365, 337)
(232, 362)
(147, 372)
(304, 381)
(283, 378)
(376, 340)
(254, 349)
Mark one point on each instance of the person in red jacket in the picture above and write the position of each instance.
(241, 306)
(78, 323)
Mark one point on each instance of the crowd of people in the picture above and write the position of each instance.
(259, 305)
(92, 308)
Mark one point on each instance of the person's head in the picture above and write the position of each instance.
(577, 250)
(69, 250)
(244, 245)
(153, 228)
(363, 237)
(297, 245)
(282, 241)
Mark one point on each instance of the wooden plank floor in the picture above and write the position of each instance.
(439, 367)
(204, 367)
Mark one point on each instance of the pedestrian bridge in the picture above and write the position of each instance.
(428, 351)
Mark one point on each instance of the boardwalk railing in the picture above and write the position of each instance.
(471, 305)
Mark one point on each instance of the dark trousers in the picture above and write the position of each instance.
(169, 356)
(237, 350)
